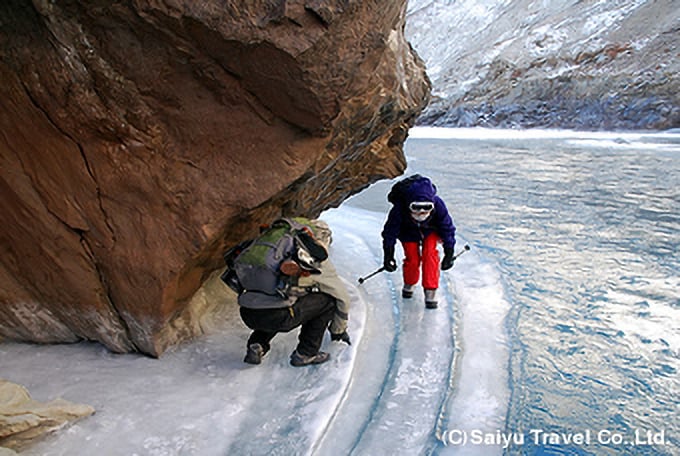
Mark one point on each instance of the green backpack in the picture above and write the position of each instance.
(256, 266)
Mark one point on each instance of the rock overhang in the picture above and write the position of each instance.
(142, 139)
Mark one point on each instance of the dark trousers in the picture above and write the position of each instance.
(311, 312)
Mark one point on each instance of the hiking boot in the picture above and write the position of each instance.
(431, 299)
(254, 354)
(297, 360)
(407, 291)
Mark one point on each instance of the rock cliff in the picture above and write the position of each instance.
(142, 137)
(551, 63)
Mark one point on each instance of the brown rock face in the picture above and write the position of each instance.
(142, 137)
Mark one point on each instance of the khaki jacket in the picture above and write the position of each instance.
(330, 283)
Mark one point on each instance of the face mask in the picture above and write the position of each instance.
(420, 216)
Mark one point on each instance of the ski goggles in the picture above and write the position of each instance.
(421, 206)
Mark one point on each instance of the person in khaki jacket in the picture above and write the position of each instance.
(315, 299)
(330, 283)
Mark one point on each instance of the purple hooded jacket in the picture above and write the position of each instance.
(400, 225)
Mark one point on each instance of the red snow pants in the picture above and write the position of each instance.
(425, 254)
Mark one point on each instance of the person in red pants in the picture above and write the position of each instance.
(420, 220)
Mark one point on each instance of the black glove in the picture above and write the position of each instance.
(342, 337)
(388, 259)
(447, 262)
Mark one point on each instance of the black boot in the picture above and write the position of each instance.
(431, 299)
(254, 354)
(407, 291)
(297, 360)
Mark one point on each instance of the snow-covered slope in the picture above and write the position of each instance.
(550, 63)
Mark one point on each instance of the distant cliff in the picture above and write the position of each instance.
(140, 138)
(552, 63)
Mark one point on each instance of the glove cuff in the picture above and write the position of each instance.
(388, 251)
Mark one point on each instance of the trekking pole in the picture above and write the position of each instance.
(378, 271)
(465, 249)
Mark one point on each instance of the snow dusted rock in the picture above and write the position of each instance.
(23, 419)
(142, 138)
(553, 63)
